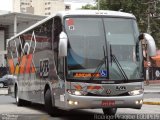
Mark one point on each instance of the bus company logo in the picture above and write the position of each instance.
(108, 91)
(44, 67)
(120, 88)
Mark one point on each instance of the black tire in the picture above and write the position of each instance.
(53, 111)
(109, 111)
(19, 101)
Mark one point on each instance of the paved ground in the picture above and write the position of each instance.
(151, 108)
(152, 88)
(10, 111)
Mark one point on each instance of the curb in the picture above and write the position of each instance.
(151, 103)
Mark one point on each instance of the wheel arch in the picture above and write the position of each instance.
(49, 86)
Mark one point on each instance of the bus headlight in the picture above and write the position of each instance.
(136, 92)
(76, 92)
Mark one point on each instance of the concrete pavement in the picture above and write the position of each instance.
(152, 88)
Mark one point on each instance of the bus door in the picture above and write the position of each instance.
(61, 80)
(59, 63)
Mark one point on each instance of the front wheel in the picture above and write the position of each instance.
(109, 111)
(53, 111)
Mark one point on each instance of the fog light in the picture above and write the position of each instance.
(76, 103)
(137, 102)
(70, 102)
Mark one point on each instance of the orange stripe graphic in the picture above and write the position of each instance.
(11, 66)
(78, 87)
(22, 64)
(29, 62)
(26, 65)
(17, 69)
(94, 87)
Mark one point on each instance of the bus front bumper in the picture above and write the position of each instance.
(93, 102)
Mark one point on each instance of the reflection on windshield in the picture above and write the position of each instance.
(87, 34)
(124, 52)
(74, 60)
(87, 37)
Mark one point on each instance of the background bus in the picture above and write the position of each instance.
(80, 59)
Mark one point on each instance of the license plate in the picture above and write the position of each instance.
(106, 103)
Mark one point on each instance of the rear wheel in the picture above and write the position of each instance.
(1, 85)
(109, 111)
(19, 101)
(53, 111)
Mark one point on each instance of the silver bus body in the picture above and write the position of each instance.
(33, 58)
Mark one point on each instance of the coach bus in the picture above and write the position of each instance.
(83, 59)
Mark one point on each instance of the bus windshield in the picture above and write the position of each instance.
(91, 39)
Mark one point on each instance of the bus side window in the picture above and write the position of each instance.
(59, 62)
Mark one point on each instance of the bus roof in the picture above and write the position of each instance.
(96, 13)
(78, 13)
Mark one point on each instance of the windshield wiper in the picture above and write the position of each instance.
(100, 65)
(113, 57)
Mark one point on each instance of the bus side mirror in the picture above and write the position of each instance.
(151, 46)
(62, 44)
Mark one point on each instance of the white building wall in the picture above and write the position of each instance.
(16, 6)
(1, 40)
(38, 7)
(57, 6)
(48, 7)
(2, 48)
